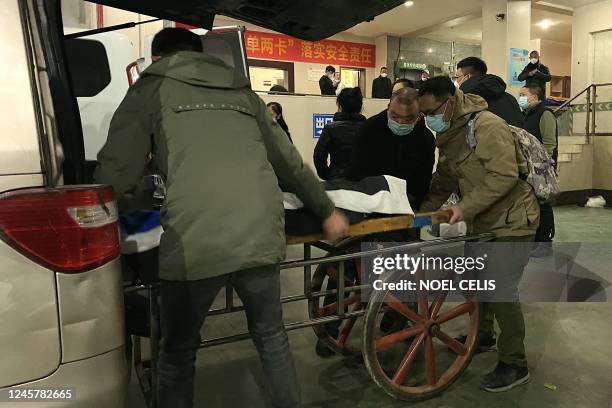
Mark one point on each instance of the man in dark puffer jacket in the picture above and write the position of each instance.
(338, 137)
(472, 78)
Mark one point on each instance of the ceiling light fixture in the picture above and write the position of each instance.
(430, 50)
(545, 24)
(409, 3)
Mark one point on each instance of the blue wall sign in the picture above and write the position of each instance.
(319, 120)
(518, 58)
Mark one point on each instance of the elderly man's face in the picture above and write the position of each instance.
(404, 114)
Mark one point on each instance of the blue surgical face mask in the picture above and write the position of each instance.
(437, 122)
(523, 102)
(399, 129)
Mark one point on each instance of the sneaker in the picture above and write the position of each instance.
(505, 377)
(484, 344)
(542, 250)
(323, 350)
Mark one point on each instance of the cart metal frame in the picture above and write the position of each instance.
(146, 370)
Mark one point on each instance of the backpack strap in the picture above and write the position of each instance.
(471, 130)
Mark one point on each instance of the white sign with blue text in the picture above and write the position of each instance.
(319, 120)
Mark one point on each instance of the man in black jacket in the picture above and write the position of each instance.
(472, 77)
(338, 137)
(381, 86)
(397, 143)
(535, 72)
(326, 83)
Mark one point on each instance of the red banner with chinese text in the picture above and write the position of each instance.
(327, 52)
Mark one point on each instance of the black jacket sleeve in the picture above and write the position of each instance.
(358, 169)
(543, 73)
(321, 152)
(376, 88)
(327, 86)
(418, 186)
(525, 74)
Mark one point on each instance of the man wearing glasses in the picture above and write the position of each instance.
(487, 171)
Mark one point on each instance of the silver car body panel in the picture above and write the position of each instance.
(91, 311)
(97, 382)
(20, 181)
(29, 333)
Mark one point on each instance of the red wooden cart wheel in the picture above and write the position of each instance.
(338, 335)
(423, 359)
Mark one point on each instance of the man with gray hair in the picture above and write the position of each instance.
(397, 143)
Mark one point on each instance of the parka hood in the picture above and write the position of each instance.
(486, 85)
(466, 105)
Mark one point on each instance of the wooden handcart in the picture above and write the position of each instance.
(414, 357)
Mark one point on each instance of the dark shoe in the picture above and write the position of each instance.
(323, 350)
(542, 250)
(392, 321)
(504, 377)
(484, 344)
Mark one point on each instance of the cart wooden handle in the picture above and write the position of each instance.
(386, 224)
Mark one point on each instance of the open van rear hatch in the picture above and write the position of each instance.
(305, 19)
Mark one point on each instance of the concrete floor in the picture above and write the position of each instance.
(568, 345)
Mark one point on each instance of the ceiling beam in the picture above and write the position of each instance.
(554, 8)
(446, 23)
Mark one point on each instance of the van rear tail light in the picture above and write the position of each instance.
(68, 229)
(133, 73)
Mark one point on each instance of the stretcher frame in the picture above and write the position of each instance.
(146, 370)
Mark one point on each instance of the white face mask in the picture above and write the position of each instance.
(534, 61)
(384, 75)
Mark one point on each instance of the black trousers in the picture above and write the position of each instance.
(184, 306)
(546, 230)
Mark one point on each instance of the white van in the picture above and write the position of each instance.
(102, 68)
(62, 334)
(61, 297)
(61, 286)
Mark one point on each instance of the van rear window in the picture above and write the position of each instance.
(88, 66)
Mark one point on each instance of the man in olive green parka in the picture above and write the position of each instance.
(494, 198)
(222, 157)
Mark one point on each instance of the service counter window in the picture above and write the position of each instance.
(265, 74)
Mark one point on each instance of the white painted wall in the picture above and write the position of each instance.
(381, 52)
(557, 56)
(588, 20)
(499, 36)
(494, 34)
